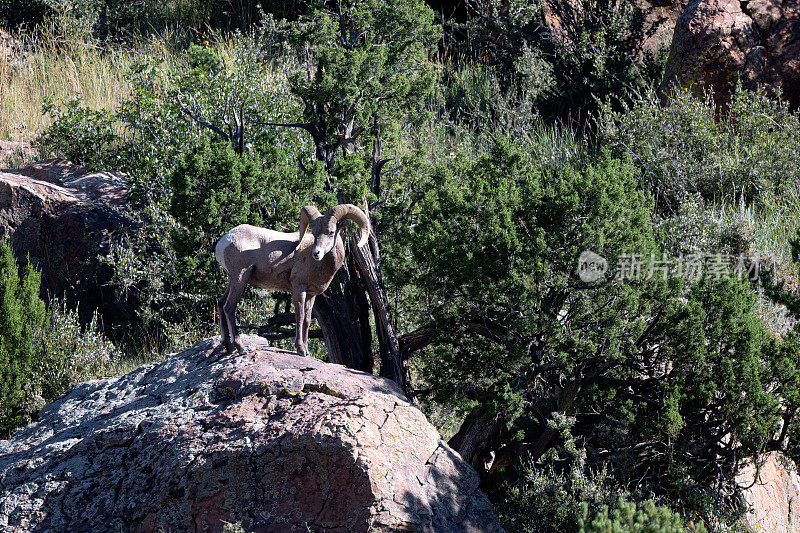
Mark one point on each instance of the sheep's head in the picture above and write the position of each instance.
(325, 228)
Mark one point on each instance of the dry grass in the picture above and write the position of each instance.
(60, 66)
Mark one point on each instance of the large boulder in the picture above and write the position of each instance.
(717, 42)
(62, 217)
(272, 440)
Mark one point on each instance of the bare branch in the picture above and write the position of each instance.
(199, 119)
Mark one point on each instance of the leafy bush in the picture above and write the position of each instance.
(365, 85)
(215, 189)
(587, 51)
(554, 495)
(683, 148)
(169, 272)
(82, 135)
(146, 278)
(494, 240)
(645, 365)
(70, 353)
(173, 104)
(42, 352)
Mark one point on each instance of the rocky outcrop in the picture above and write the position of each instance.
(658, 20)
(268, 439)
(660, 17)
(717, 42)
(62, 217)
(773, 497)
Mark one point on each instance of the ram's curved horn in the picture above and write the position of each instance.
(351, 212)
(307, 214)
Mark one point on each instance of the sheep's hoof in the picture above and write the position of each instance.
(239, 346)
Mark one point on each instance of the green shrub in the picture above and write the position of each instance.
(173, 104)
(70, 353)
(633, 517)
(214, 189)
(22, 313)
(42, 352)
(645, 365)
(553, 494)
(168, 273)
(82, 135)
(574, 54)
(233, 528)
(683, 148)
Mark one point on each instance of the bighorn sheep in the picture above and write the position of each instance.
(294, 262)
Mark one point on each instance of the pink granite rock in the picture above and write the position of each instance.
(773, 498)
(62, 217)
(269, 439)
(717, 42)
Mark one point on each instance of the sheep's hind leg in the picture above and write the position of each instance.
(299, 301)
(235, 294)
(223, 322)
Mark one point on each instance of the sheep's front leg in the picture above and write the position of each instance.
(309, 307)
(299, 301)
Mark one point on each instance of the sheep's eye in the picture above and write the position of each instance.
(331, 234)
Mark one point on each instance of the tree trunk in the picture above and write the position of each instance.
(393, 365)
(477, 437)
(342, 313)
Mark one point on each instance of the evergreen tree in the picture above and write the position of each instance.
(673, 384)
(21, 311)
(367, 69)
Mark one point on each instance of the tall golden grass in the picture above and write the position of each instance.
(59, 65)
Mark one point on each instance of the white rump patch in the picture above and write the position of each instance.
(219, 251)
(243, 238)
